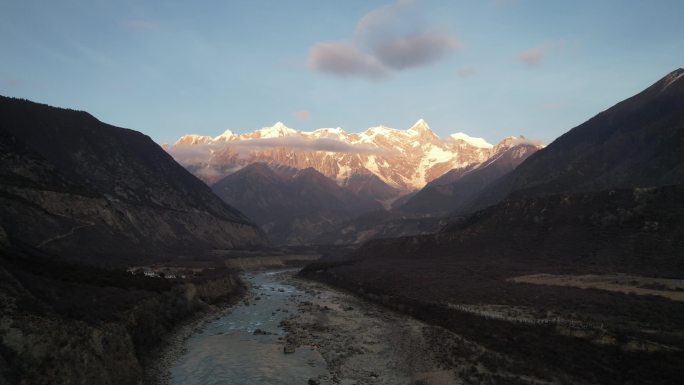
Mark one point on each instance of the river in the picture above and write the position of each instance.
(226, 351)
(337, 339)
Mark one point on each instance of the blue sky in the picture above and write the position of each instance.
(487, 68)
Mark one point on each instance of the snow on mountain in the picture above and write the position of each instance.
(420, 128)
(277, 130)
(227, 136)
(193, 139)
(404, 159)
(477, 142)
(335, 133)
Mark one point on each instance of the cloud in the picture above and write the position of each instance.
(414, 51)
(533, 57)
(203, 153)
(304, 144)
(343, 59)
(12, 83)
(523, 140)
(302, 115)
(191, 154)
(386, 20)
(390, 38)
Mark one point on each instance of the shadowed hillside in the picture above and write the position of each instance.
(570, 277)
(73, 186)
(636, 143)
(292, 207)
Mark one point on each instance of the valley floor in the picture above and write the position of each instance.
(364, 343)
(357, 342)
(315, 333)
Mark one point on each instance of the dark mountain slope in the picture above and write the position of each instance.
(423, 212)
(379, 224)
(75, 187)
(369, 185)
(630, 230)
(451, 191)
(463, 279)
(291, 207)
(566, 222)
(637, 142)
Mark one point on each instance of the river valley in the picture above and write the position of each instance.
(292, 331)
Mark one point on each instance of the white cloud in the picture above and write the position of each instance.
(304, 144)
(202, 153)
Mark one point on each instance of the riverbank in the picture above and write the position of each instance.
(157, 369)
(364, 343)
(70, 323)
(529, 333)
(243, 344)
(290, 330)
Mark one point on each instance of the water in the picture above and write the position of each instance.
(226, 352)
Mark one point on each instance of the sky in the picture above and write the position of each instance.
(489, 68)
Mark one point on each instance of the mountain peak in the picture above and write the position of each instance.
(226, 135)
(193, 139)
(473, 141)
(327, 132)
(312, 175)
(420, 126)
(512, 141)
(277, 130)
(672, 77)
(677, 72)
(259, 170)
(308, 172)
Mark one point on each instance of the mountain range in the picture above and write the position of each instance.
(426, 211)
(405, 160)
(351, 174)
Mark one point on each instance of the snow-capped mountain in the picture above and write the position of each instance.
(403, 159)
(453, 190)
